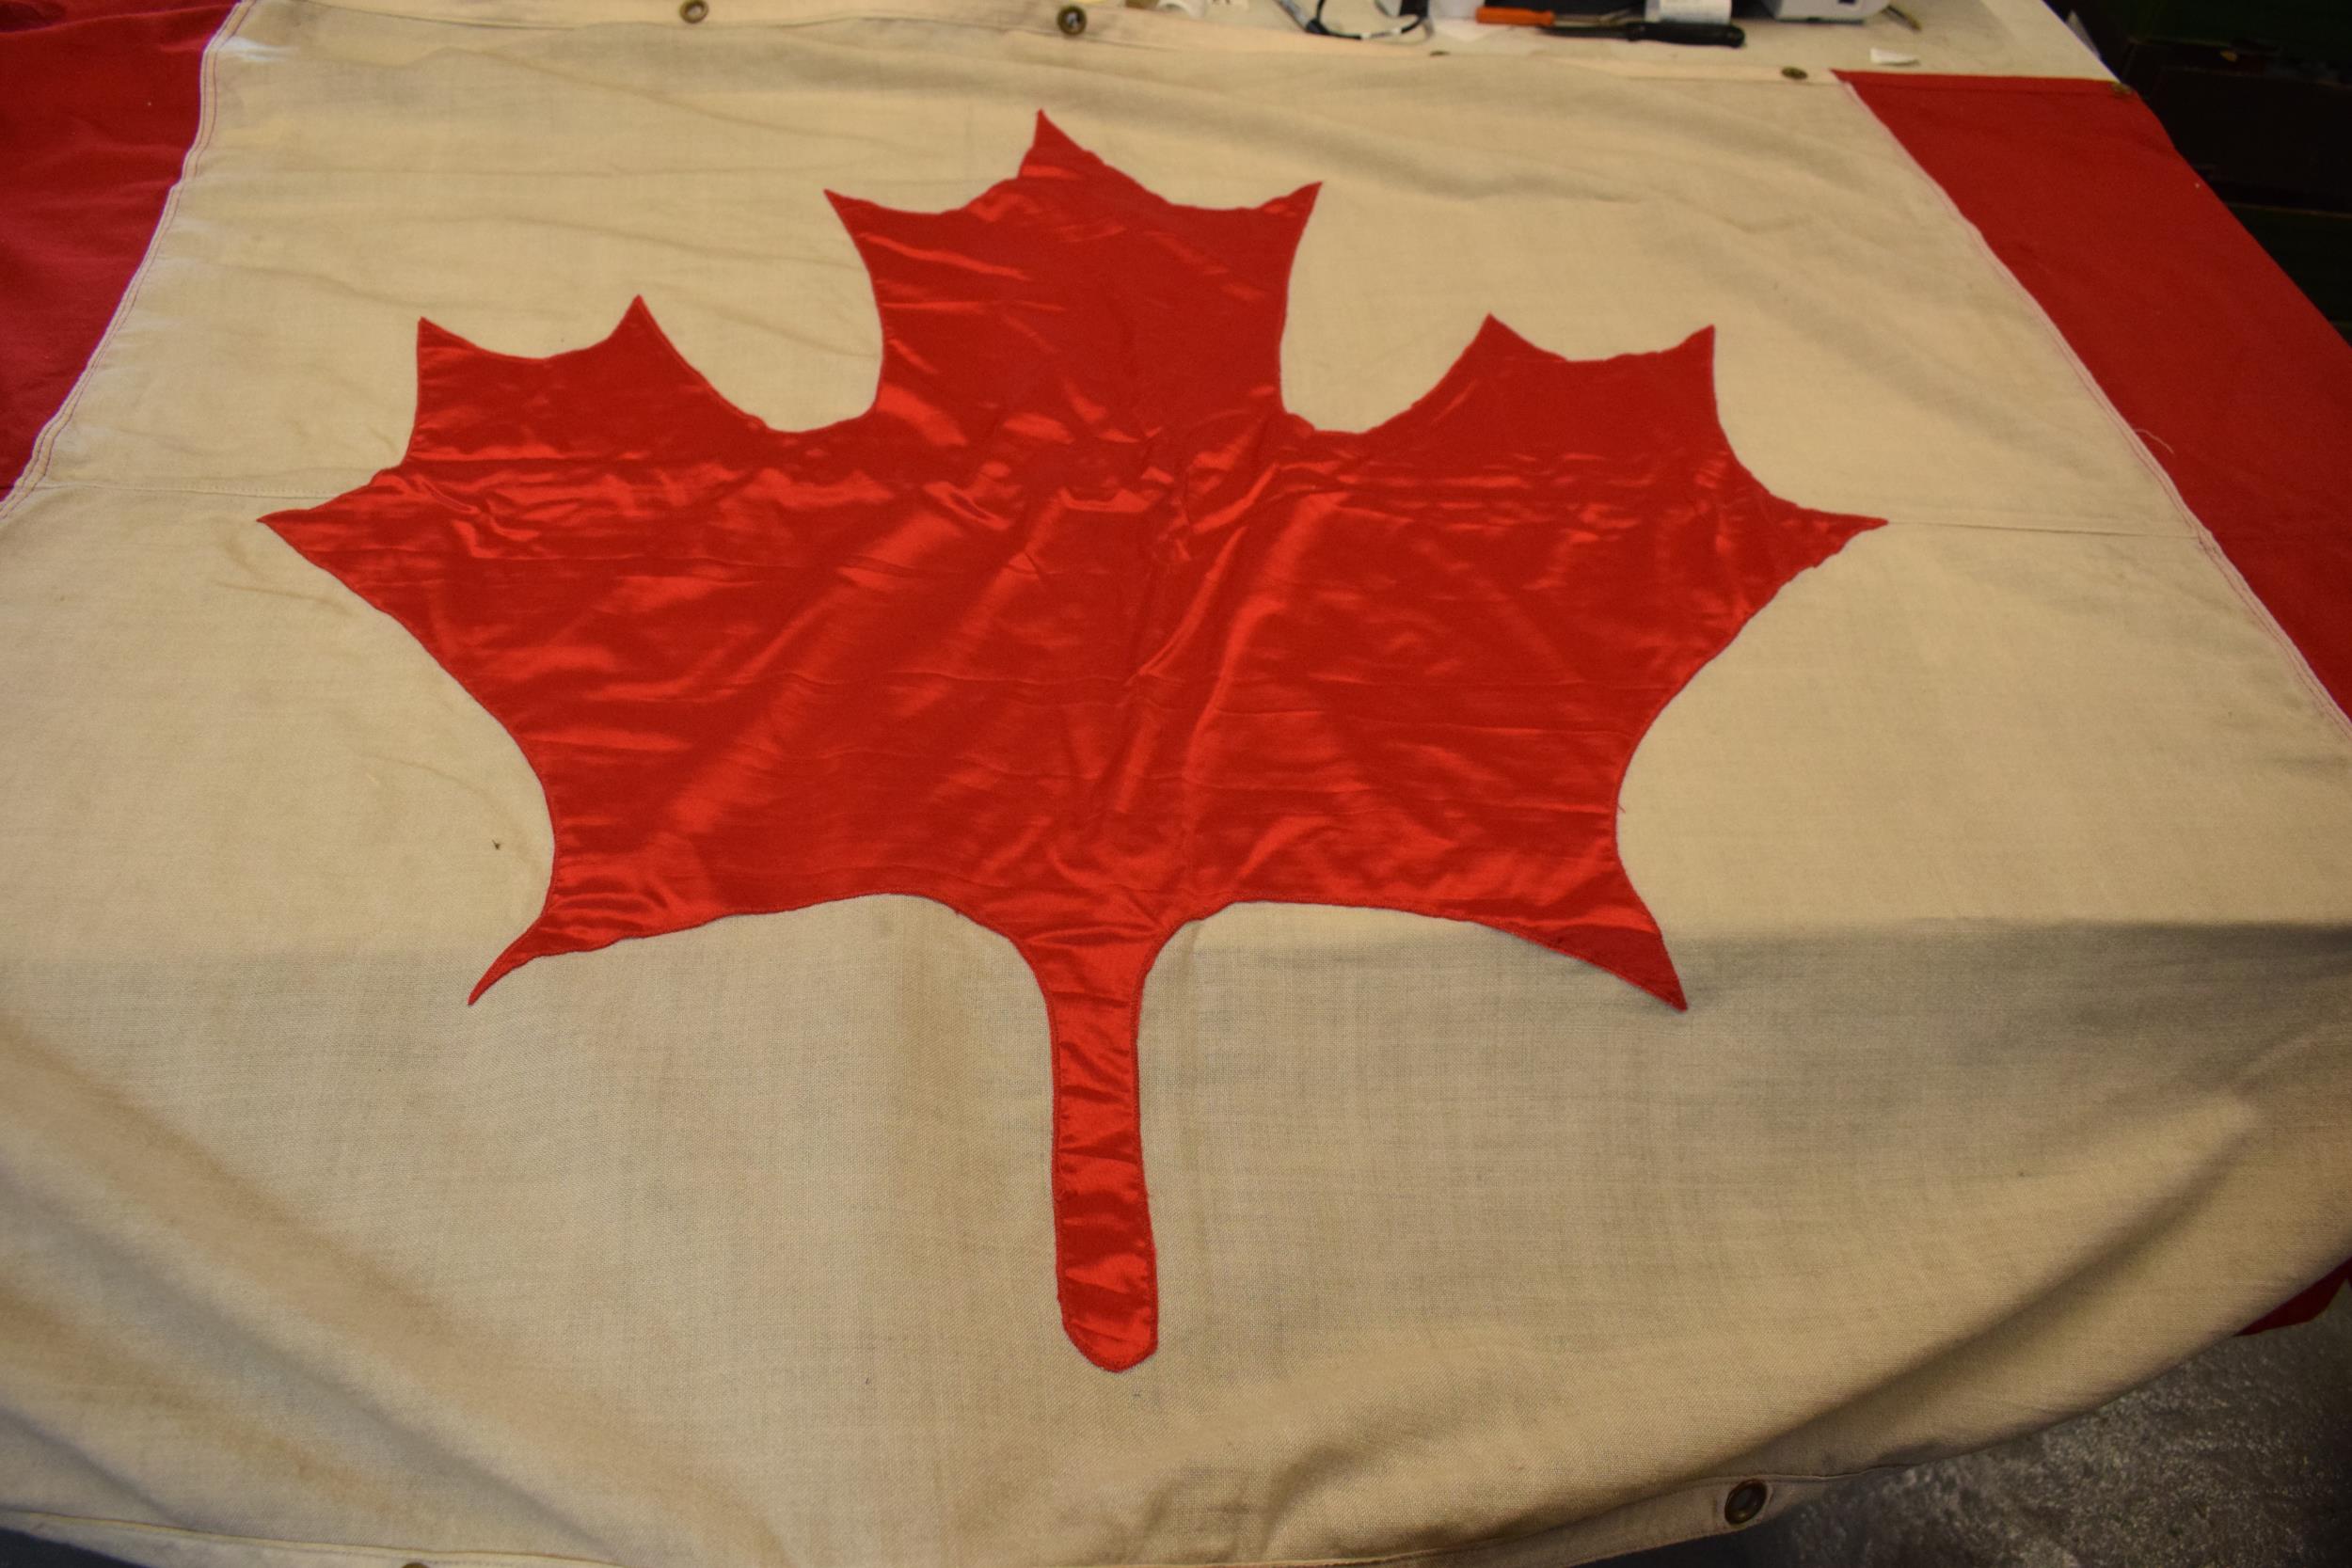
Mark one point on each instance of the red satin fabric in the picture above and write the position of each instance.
(1076, 630)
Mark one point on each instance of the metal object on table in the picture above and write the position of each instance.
(1718, 35)
(1825, 11)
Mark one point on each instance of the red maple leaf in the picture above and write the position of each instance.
(1077, 630)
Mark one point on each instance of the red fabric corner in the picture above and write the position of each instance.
(2241, 388)
(2306, 1303)
(101, 103)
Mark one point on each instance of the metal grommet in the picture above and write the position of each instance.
(692, 12)
(1072, 20)
(1746, 1501)
(1795, 72)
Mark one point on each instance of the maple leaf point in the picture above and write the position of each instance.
(1076, 630)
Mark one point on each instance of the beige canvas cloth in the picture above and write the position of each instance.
(2008, 859)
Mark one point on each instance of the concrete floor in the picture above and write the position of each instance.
(2239, 1459)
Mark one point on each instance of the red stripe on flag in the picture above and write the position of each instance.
(103, 99)
(2240, 386)
(2241, 389)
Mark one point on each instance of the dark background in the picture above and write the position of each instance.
(2256, 96)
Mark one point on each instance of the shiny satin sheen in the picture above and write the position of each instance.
(1076, 630)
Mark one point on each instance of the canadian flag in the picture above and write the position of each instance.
(745, 739)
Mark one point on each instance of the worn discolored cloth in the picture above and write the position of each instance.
(2004, 860)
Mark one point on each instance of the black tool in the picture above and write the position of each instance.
(1721, 35)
